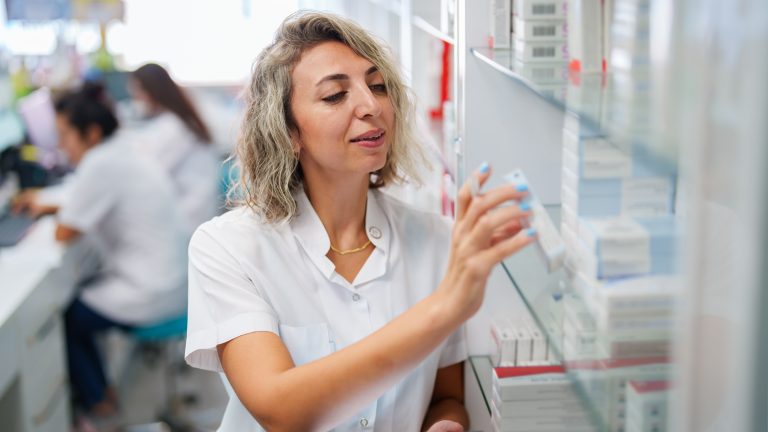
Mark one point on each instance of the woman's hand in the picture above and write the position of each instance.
(446, 426)
(27, 202)
(483, 235)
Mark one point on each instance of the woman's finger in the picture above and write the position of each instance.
(506, 231)
(505, 248)
(495, 219)
(491, 199)
(471, 188)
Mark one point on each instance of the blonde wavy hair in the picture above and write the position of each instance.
(269, 170)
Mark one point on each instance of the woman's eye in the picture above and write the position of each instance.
(378, 88)
(335, 97)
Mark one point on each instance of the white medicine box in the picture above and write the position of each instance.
(544, 30)
(540, 9)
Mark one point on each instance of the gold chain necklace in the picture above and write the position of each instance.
(350, 251)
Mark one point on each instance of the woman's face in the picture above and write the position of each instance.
(344, 116)
(143, 104)
(72, 142)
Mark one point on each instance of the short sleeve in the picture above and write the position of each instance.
(90, 196)
(224, 302)
(455, 349)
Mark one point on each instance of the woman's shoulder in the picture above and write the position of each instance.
(171, 124)
(235, 221)
(108, 157)
(238, 229)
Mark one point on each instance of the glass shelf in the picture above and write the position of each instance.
(482, 368)
(427, 27)
(616, 106)
(600, 360)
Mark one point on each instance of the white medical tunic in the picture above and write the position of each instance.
(247, 276)
(126, 207)
(192, 165)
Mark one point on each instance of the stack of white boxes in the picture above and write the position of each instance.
(521, 343)
(631, 317)
(647, 406)
(579, 330)
(618, 223)
(617, 214)
(621, 238)
(601, 178)
(536, 399)
(606, 382)
(630, 57)
(540, 42)
(530, 389)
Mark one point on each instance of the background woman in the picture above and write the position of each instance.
(176, 137)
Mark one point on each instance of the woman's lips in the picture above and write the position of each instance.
(370, 139)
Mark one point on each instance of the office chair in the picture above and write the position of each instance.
(158, 340)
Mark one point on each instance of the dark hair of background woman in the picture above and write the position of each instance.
(88, 106)
(159, 85)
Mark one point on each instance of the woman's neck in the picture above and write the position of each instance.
(340, 205)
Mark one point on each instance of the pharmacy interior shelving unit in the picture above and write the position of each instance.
(674, 119)
(587, 153)
(648, 141)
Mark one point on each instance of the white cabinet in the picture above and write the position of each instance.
(41, 277)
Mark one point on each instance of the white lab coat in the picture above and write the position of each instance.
(246, 276)
(125, 206)
(193, 166)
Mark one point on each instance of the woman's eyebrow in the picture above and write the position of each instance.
(333, 77)
(344, 77)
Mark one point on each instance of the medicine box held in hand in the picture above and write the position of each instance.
(550, 244)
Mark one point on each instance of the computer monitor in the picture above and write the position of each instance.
(11, 129)
(39, 116)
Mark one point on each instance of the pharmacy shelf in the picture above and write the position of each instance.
(503, 60)
(427, 27)
(592, 100)
(568, 322)
(482, 371)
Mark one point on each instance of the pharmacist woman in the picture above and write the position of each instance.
(175, 136)
(327, 303)
(126, 208)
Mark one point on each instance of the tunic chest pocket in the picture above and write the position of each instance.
(307, 343)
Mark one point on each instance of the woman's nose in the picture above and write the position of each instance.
(367, 104)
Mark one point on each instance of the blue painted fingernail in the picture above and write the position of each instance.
(484, 167)
(531, 232)
(522, 187)
(525, 206)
